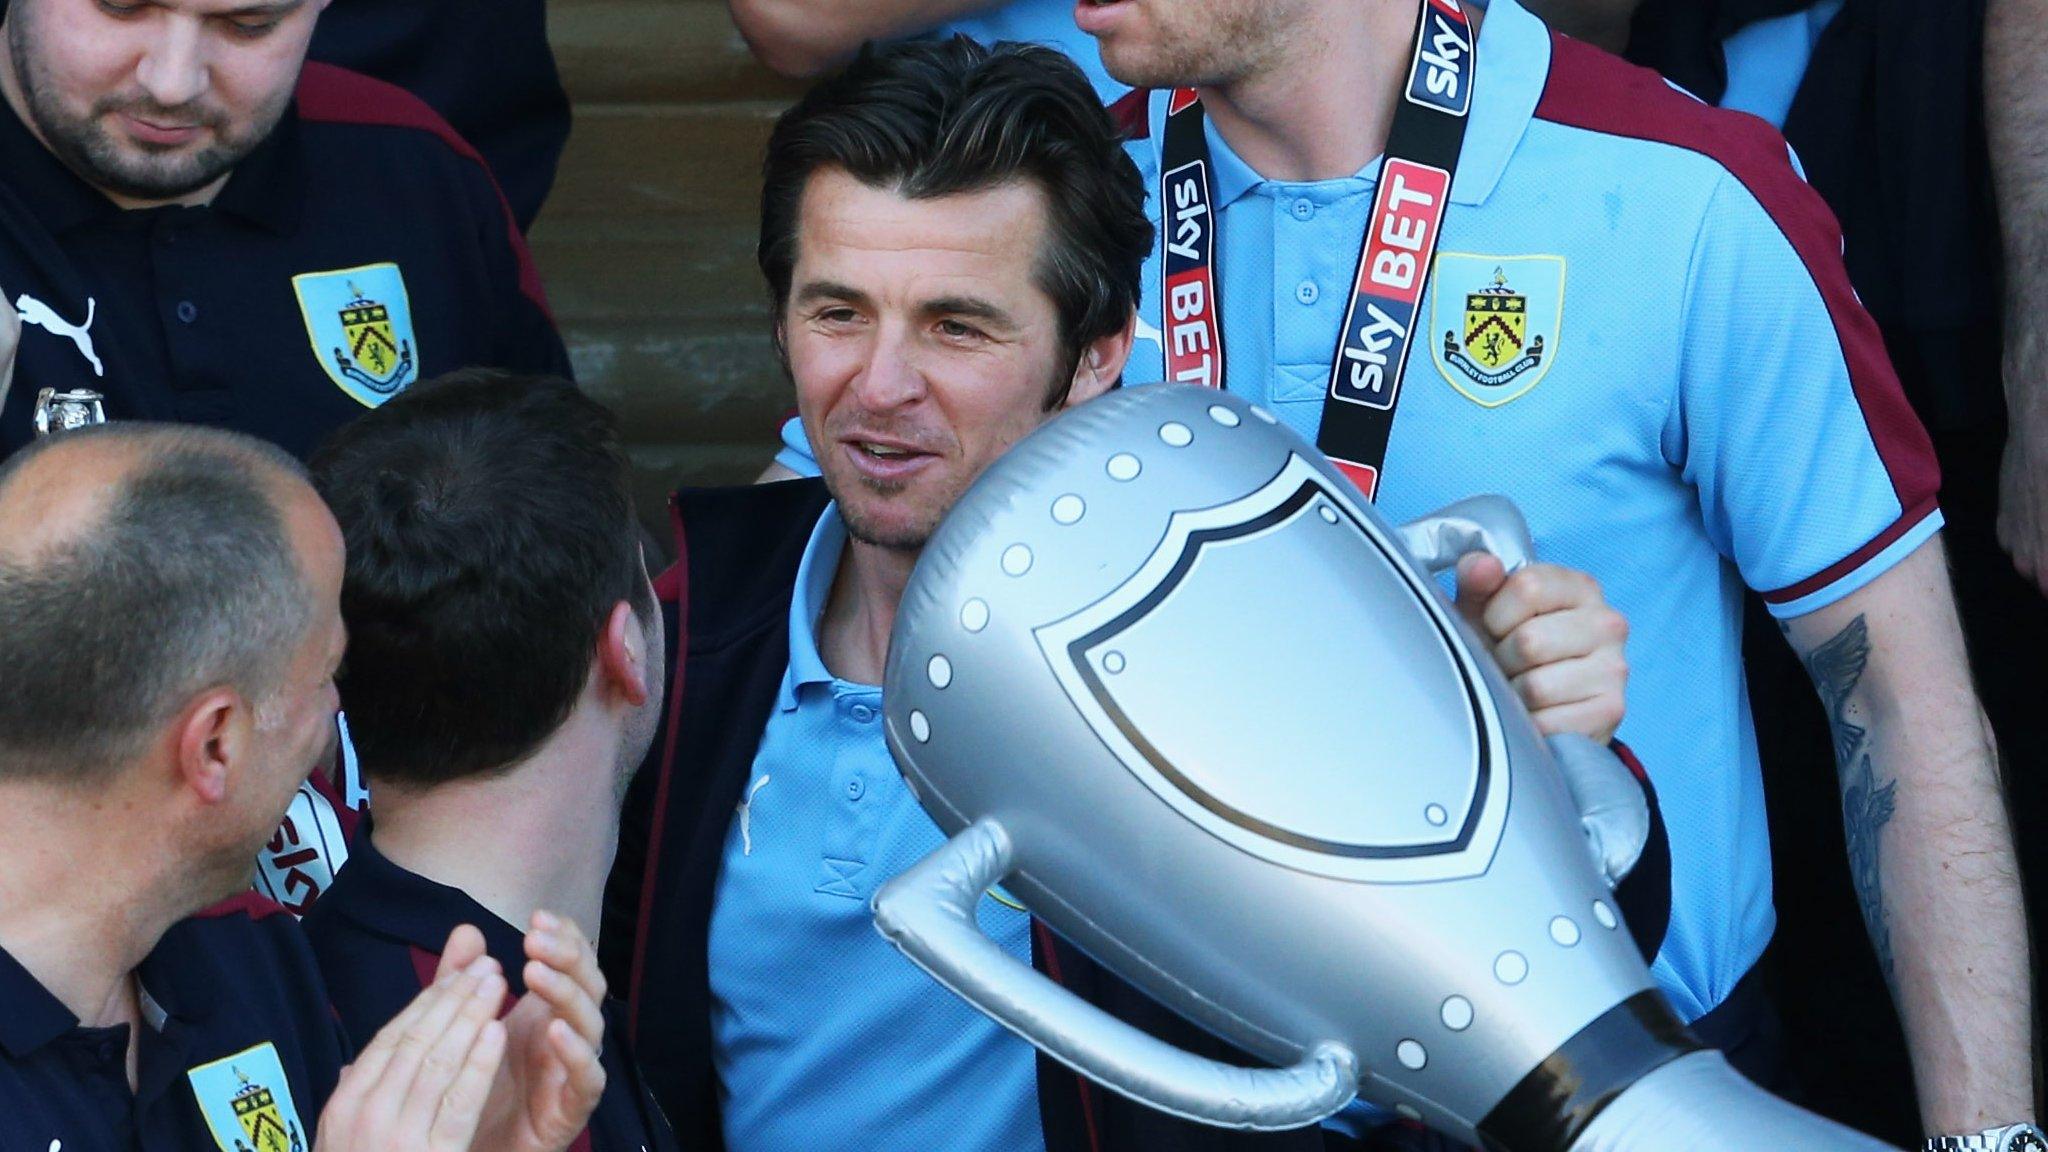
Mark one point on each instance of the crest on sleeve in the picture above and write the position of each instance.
(1499, 318)
(360, 323)
(248, 1103)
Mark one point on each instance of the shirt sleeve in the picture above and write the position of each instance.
(796, 449)
(1813, 473)
(527, 340)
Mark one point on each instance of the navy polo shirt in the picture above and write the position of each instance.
(237, 1039)
(361, 248)
(378, 934)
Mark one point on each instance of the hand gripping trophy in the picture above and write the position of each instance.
(1165, 676)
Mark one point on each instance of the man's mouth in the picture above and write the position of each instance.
(885, 459)
(1094, 16)
(162, 133)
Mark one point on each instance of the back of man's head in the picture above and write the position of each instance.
(934, 118)
(139, 566)
(490, 535)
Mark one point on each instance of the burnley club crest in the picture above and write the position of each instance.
(248, 1102)
(360, 323)
(1506, 338)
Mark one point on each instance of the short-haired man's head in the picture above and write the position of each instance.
(158, 101)
(490, 533)
(181, 577)
(933, 118)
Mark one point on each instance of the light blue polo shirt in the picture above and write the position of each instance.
(1047, 22)
(824, 1034)
(1767, 60)
(1690, 426)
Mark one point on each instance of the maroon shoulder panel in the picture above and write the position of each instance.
(1133, 114)
(1589, 89)
(252, 904)
(331, 95)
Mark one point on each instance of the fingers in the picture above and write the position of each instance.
(1533, 591)
(443, 1056)
(1479, 577)
(371, 1061)
(465, 947)
(562, 970)
(462, 1104)
(584, 1072)
(1556, 637)
(425, 1060)
(1577, 696)
(567, 1085)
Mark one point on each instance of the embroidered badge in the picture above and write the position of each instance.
(360, 323)
(248, 1103)
(1499, 316)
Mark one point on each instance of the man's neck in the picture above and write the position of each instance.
(539, 836)
(853, 632)
(80, 931)
(1320, 110)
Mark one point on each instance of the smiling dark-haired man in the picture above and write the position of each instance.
(951, 236)
(201, 227)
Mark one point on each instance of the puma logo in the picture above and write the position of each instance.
(34, 311)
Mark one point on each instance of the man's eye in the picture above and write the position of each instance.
(254, 28)
(112, 8)
(955, 330)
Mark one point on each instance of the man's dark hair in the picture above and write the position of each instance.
(188, 580)
(932, 118)
(490, 532)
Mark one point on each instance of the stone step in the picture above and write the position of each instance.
(641, 51)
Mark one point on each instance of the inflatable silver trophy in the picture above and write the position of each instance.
(1167, 678)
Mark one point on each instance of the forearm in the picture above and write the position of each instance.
(800, 38)
(2016, 122)
(1930, 848)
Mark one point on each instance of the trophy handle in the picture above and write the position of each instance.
(928, 913)
(1489, 524)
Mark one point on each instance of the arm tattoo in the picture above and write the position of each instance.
(1867, 804)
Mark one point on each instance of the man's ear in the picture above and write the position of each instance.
(622, 658)
(1101, 364)
(214, 738)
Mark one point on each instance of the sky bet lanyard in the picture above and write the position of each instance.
(1393, 260)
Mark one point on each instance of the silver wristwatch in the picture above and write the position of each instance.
(2011, 1138)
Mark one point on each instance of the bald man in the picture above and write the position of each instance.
(169, 630)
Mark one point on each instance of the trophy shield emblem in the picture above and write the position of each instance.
(1402, 777)
(359, 321)
(247, 1102)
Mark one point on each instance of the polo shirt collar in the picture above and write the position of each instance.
(266, 189)
(814, 576)
(1514, 61)
(386, 898)
(33, 1017)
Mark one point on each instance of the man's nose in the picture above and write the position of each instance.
(174, 69)
(892, 376)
